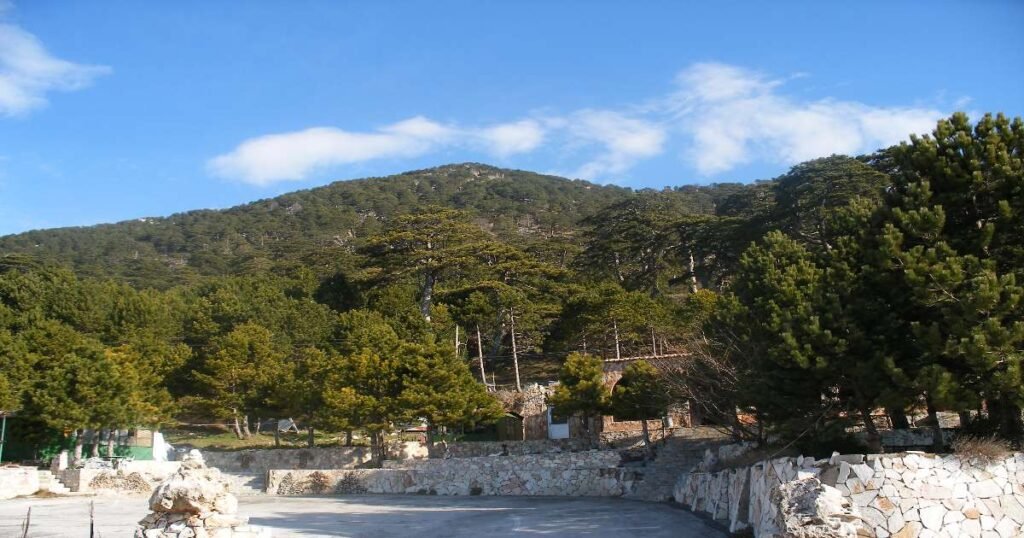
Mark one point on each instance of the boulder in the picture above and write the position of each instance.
(810, 509)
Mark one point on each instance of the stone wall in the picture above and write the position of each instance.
(591, 473)
(110, 481)
(900, 495)
(511, 448)
(262, 460)
(18, 481)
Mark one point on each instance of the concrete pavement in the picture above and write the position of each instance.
(380, 516)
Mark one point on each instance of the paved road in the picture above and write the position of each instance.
(370, 516)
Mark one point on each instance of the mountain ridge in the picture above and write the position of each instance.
(328, 221)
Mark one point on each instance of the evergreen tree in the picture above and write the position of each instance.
(639, 395)
(581, 389)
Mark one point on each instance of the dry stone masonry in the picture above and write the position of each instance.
(593, 473)
(195, 503)
(892, 495)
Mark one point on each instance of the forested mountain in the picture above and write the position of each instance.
(810, 301)
(320, 227)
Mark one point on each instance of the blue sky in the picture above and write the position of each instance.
(116, 110)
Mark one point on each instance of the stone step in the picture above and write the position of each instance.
(50, 483)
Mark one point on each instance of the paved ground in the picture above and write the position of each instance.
(415, 516)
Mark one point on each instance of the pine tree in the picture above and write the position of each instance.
(639, 395)
(581, 389)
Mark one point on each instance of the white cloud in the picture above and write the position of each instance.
(512, 138)
(625, 140)
(735, 116)
(718, 117)
(28, 72)
(294, 156)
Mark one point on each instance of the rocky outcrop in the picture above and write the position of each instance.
(810, 509)
(195, 503)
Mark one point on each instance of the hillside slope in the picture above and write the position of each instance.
(319, 228)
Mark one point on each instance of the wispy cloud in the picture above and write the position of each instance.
(296, 155)
(734, 116)
(717, 117)
(623, 140)
(28, 72)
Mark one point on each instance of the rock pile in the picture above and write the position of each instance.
(195, 503)
(118, 481)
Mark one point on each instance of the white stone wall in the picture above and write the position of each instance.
(899, 495)
(154, 472)
(577, 474)
(18, 481)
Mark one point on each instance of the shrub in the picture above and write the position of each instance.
(986, 449)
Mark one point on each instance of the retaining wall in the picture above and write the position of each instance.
(899, 495)
(81, 480)
(591, 473)
(512, 448)
(261, 460)
(18, 481)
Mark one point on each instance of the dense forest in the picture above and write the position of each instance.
(807, 301)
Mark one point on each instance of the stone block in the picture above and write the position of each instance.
(1012, 508)
(931, 517)
(985, 489)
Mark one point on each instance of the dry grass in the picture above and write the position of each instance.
(987, 449)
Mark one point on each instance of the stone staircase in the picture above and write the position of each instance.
(51, 484)
(246, 484)
(673, 456)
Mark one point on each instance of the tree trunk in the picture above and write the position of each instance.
(480, 355)
(874, 439)
(899, 418)
(427, 297)
(938, 443)
(111, 441)
(515, 353)
(245, 427)
(310, 440)
(277, 434)
(377, 449)
(648, 454)
(965, 418)
(79, 440)
(430, 435)
(693, 274)
(94, 450)
(237, 425)
(1007, 419)
(348, 438)
(259, 425)
(618, 352)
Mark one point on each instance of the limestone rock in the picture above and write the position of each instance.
(810, 509)
(195, 503)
